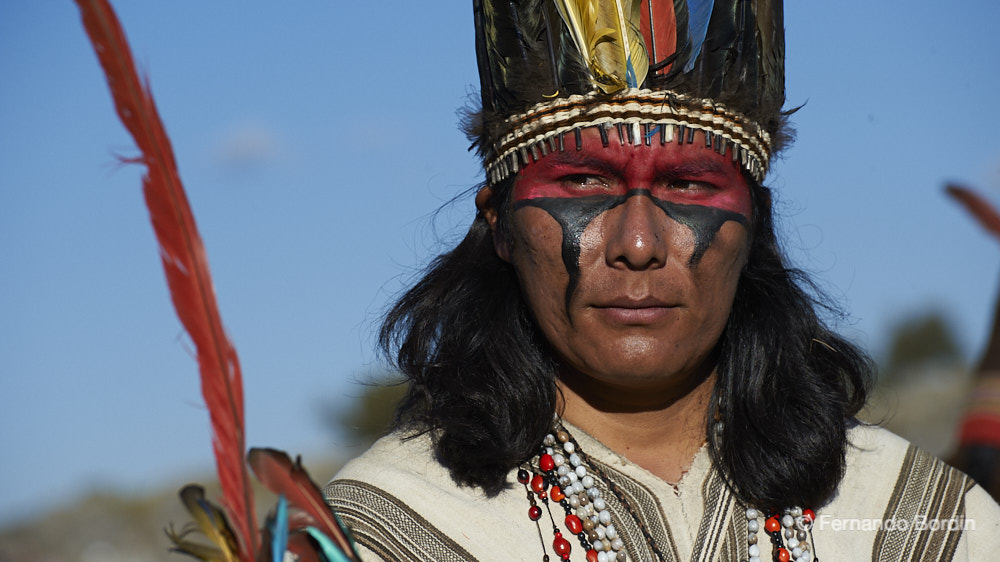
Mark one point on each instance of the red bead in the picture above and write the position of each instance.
(557, 494)
(522, 476)
(542, 495)
(561, 546)
(783, 555)
(535, 513)
(772, 525)
(809, 515)
(538, 484)
(591, 555)
(546, 463)
(574, 524)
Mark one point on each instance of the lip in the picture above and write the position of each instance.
(630, 311)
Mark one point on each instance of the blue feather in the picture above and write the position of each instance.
(630, 78)
(328, 549)
(699, 14)
(279, 530)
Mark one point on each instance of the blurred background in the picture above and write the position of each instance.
(319, 145)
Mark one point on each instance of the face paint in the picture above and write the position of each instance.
(574, 214)
(627, 264)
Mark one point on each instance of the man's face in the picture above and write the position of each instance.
(629, 256)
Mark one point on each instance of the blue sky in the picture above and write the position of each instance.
(317, 139)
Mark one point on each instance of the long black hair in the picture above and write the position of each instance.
(482, 382)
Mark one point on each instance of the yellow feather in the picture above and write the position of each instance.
(606, 34)
(637, 44)
(211, 521)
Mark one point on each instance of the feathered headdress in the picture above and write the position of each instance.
(664, 68)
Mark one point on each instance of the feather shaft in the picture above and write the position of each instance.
(185, 264)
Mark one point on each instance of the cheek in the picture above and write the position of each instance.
(723, 263)
(537, 256)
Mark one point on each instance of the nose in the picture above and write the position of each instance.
(636, 234)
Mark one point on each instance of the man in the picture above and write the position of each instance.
(615, 363)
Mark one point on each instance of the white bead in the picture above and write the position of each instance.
(569, 447)
(549, 440)
(754, 550)
(581, 512)
(611, 532)
(602, 557)
(796, 552)
(601, 533)
(549, 451)
(787, 521)
(564, 481)
(792, 543)
(590, 510)
(587, 481)
(594, 493)
(558, 459)
(806, 556)
(581, 471)
(751, 513)
(562, 470)
(574, 502)
(604, 517)
(753, 525)
(598, 545)
(572, 476)
(599, 504)
(574, 460)
(754, 559)
(796, 512)
(578, 487)
(617, 544)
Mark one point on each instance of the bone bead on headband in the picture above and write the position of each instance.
(657, 70)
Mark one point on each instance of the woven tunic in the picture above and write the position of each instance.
(895, 502)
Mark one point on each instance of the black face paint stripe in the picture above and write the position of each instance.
(574, 215)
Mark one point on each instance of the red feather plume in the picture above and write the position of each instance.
(279, 474)
(661, 38)
(185, 264)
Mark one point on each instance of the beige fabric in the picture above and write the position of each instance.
(402, 505)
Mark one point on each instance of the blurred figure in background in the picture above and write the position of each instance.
(979, 433)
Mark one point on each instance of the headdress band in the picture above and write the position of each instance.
(531, 135)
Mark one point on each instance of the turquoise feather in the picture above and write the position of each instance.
(279, 530)
(328, 549)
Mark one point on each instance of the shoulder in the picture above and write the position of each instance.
(898, 502)
(402, 505)
(379, 494)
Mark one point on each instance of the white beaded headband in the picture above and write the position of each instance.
(644, 114)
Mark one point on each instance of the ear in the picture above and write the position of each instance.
(486, 206)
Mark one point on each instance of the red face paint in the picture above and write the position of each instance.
(687, 174)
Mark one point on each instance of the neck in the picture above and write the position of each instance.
(662, 436)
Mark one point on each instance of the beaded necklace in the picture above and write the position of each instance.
(565, 475)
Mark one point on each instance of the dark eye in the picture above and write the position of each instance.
(585, 182)
(691, 185)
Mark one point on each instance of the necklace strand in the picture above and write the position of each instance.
(562, 474)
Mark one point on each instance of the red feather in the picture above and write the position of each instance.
(280, 475)
(185, 263)
(984, 213)
(662, 43)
